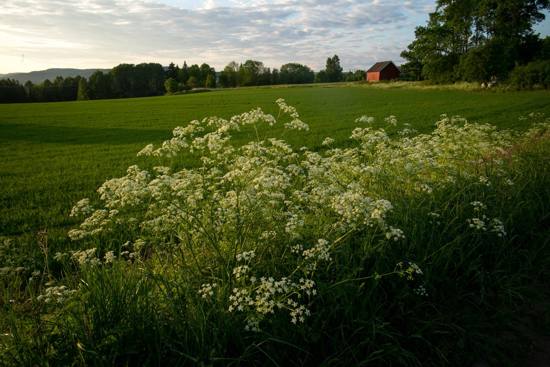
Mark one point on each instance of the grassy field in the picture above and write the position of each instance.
(55, 153)
(391, 248)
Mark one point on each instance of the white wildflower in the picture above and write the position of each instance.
(365, 119)
(395, 234)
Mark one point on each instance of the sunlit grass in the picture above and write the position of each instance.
(396, 248)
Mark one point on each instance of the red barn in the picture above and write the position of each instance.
(385, 70)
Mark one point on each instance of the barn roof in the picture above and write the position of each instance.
(379, 66)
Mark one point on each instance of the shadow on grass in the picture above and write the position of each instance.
(31, 133)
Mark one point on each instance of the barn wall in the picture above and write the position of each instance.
(389, 73)
(373, 76)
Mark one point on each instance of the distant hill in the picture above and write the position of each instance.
(40, 76)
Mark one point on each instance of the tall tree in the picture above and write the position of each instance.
(463, 35)
(294, 73)
(333, 69)
(355, 76)
(229, 77)
(183, 73)
(192, 82)
(210, 81)
(100, 85)
(208, 76)
(195, 73)
(82, 90)
(171, 85)
(11, 91)
(252, 72)
(275, 77)
(172, 71)
(321, 77)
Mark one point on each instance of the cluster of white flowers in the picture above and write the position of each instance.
(12, 270)
(298, 313)
(497, 227)
(85, 257)
(409, 270)
(240, 271)
(278, 202)
(246, 255)
(478, 224)
(407, 132)
(484, 180)
(412, 272)
(482, 223)
(266, 295)
(207, 290)
(421, 291)
(297, 124)
(56, 295)
(478, 206)
(391, 120)
(94, 224)
(82, 207)
(258, 298)
(316, 254)
(434, 218)
(285, 108)
(109, 257)
(395, 234)
(365, 119)
(328, 141)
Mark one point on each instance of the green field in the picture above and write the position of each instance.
(52, 154)
(394, 248)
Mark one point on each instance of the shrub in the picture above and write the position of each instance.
(533, 75)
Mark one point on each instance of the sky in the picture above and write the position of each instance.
(41, 34)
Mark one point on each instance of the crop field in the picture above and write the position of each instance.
(52, 154)
(343, 225)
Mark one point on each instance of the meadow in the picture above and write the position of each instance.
(52, 154)
(455, 212)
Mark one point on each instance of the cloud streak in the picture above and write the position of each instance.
(103, 33)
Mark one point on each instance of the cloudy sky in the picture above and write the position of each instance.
(40, 34)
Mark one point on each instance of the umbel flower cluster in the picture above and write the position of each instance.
(256, 224)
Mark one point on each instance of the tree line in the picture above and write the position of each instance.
(255, 73)
(123, 81)
(478, 41)
(143, 80)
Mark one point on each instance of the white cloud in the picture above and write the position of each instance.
(103, 33)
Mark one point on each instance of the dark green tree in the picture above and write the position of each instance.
(11, 91)
(544, 53)
(192, 82)
(183, 73)
(172, 71)
(229, 77)
(321, 77)
(82, 90)
(210, 81)
(466, 34)
(171, 85)
(294, 73)
(275, 77)
(207, 71)
(355, 76)
(252, 72)
(195, 73)
(100, 85)
(411, 70)
(333, 69)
